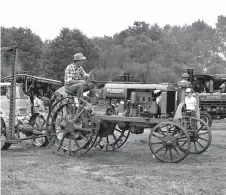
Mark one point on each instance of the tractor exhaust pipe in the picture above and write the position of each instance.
(190, 72)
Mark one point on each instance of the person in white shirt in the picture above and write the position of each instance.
(190, 100)
(28, 101)
(36, 104)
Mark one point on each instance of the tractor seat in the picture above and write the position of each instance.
(189, 112)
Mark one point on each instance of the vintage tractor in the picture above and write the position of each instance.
(212, 98)
(75, 126)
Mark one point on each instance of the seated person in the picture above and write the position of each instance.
(75, 76)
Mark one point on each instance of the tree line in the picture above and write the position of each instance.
(154, 53)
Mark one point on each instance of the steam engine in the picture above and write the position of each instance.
(214, 104)
(211, 102)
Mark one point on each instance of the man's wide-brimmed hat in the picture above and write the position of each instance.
(79, 56)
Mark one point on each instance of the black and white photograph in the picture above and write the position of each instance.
(113, 97)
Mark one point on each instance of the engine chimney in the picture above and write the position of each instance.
(190, 72)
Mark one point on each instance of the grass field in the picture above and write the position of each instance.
(130, 170)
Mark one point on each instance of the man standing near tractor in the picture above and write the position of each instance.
(190, 101)
(75, 76)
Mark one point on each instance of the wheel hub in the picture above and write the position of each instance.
(69, 126)
(169, 142)
(194, 136)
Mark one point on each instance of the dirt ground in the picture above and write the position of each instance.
(130, 170)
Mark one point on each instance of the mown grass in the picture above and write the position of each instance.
(131, 170)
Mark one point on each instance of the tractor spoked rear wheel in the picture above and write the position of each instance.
(73, 130)
(111, 138)
(169, 142)
(200, 134)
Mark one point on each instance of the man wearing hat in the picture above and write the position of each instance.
(75, 76)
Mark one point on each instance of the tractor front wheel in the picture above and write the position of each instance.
(169, 142)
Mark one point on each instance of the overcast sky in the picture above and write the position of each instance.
(104, 17)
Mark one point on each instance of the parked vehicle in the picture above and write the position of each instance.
(23, 105)
(23, 116)
(212, 99)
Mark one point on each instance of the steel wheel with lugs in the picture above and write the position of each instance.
(73, 129)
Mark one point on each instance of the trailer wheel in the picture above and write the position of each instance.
(169, 142)
(4, 145)
(206, 117)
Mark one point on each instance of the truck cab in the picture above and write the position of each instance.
(23, 104)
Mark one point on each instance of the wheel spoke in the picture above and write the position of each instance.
(201, 128)
(184, 143)
(167, 129)
(179, 141)
(171, 156)
(166, 151)
(195, 146)
(200, 144)
(122, 135)
(61, 141)
(69, 146)
(172, 127)
(163, 133)
(156, 143)
(80, 134)
(181, 149)
(115, 139)
(203, 133)
(203, 139)
(76, 141)
(183, 137)
(159, 149)
(157, 136)
(176, 150)
(120, 131)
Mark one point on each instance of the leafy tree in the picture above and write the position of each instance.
(30, 47)
(221, 32)
(60, 51)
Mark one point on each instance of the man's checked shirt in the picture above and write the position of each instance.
(72, 72)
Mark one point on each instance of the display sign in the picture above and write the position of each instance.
(115, 91)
